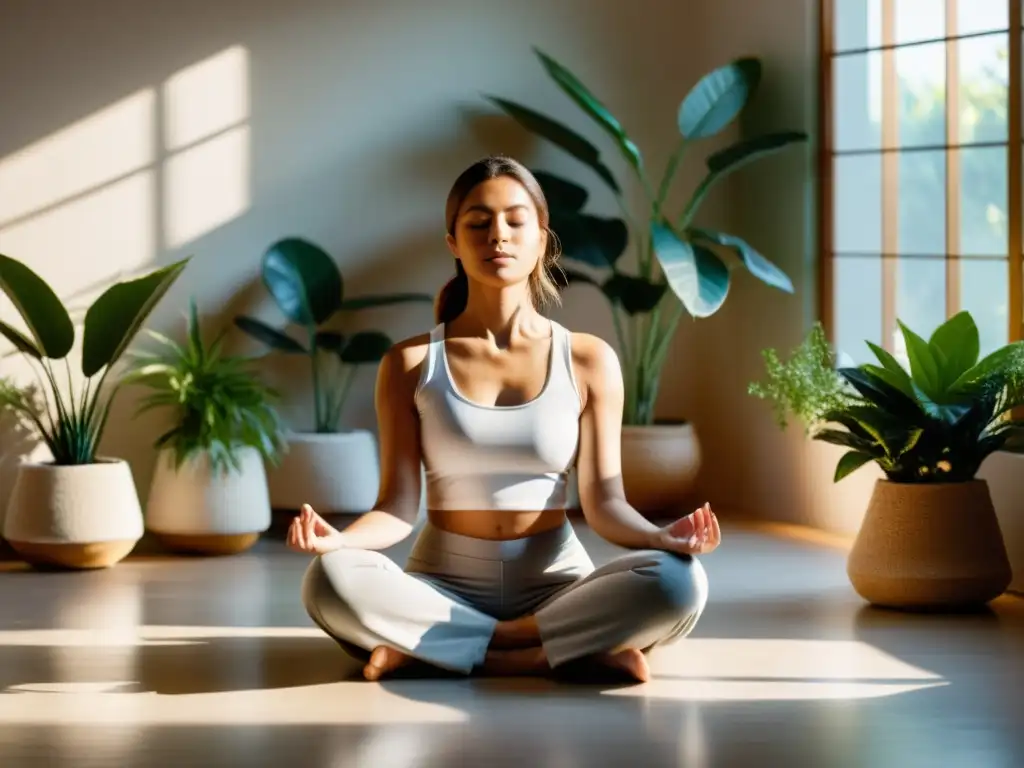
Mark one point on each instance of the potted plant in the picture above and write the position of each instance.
(209, 491)
(930, 538)
(678, 266)
(79, 509)
(332, 469)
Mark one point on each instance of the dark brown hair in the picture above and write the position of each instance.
(451, 299)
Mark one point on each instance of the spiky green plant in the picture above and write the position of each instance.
(219, 404)
(936, 422)
(72, 422)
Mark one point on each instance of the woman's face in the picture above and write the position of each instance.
(498, 237)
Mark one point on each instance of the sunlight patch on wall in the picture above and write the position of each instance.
(206, 98)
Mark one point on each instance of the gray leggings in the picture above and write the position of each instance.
(443, 607)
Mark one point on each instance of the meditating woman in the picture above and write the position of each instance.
(496, 405)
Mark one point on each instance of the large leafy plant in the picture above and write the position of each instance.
(307, 287)
(71, 422)
(679, 267)
(936, 422)
(220, 406)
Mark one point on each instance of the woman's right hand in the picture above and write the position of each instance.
(310, 534)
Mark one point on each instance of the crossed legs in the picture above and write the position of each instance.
(387, 617)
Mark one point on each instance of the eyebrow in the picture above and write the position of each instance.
(485, 209)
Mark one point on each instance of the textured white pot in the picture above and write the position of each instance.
(196, 509)
(84, 516)
(331, 472)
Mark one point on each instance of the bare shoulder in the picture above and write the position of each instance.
(400, 367)
(596, 363)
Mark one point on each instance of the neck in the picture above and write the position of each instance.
(497, 313)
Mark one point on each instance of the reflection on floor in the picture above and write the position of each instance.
(175, 662)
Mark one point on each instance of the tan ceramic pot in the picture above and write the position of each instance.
(929, 546)
(660, 463)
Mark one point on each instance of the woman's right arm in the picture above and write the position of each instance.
(394, 513)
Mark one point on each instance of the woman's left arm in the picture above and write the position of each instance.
(599, 463)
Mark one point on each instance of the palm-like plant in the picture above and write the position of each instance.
(937, 422)
(71, 422)
(679, 266)
(220, 406)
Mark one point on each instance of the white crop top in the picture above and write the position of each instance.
(514, 457)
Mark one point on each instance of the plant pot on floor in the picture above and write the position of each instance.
(199, 509)
(332, 472)
(74, 516)
(929, 546)
(660, 463)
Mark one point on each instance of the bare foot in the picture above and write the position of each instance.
(630, 661)
(383, 661)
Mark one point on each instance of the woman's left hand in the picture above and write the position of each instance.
(696, 534)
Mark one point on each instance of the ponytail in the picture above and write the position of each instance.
(452, 298)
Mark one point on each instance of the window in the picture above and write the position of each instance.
(921, 169)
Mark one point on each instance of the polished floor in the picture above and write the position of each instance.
(212, 662)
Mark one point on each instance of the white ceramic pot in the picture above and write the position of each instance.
(334, 473)
(82, 516)
(196, 509)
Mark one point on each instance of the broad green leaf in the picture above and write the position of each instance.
(303, 279)
(558, 134)
(114, 319)
(44, 314)
(849, 463)
(383, 300)
(20, 341)
(882, 394)
(924, 370)
(717, 98)
(845, 439)
(560, 192)
(901, 383)
(366, 347)
(757, 264)
(272, 337)
(897, 372)
(987, 366)
(958, 341)
(593, 240)
(696, 275)
(634, 294)
(747, 150)
(598, 112)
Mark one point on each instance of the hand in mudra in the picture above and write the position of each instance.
(696, 534)
(309, 533)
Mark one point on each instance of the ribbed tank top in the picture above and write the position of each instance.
(501, 457)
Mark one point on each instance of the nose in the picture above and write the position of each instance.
(499, 231)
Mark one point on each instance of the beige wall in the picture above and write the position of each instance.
(135, 133)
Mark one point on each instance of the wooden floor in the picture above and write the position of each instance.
(175, 662)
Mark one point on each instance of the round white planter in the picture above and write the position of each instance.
(331, 472)
(83, 516)
(196, 509)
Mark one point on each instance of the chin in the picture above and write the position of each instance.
(501, 275)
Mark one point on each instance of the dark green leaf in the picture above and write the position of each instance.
(579, 93)
(902, 383)
(561, 193)
(272, 337)
(330, 341)
(21, 342)
(959, 343)
(634, 294)
(114, 319)
(898, 376)
(845, 439)
(696, 275)
(884, 395)
(592, 240)
(924, 369)
(718, 98)
(303, 279)
(987, 366)
(366, 347)
(747, 150)
(850, 462)
(384, 300)
(44, 314)
(757, 264)
(558, 134)
(564, 277)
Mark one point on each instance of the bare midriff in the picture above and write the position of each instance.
(496, 525)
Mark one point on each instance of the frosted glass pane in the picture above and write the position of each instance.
(857, 306)
(922, 202)
(857, 24)
(920, 20)
(984, 88)
(920, 295)
(975, 16)
(985, 293)
(857, 203)
(921, 72)
(857, 101)
(983, 201)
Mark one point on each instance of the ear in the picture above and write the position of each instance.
(451, 245)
